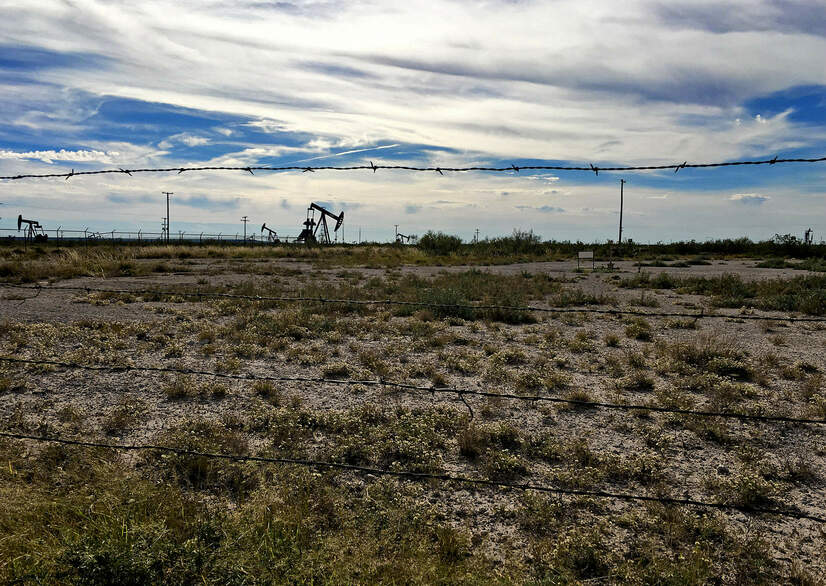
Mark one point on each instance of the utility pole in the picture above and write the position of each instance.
(476, 237)
(168, 227)
(622, 184)
(397, 232)
(245, 220)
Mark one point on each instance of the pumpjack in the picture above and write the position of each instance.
(272, 237)
(309, 235)
(34, 231)
(405, 238)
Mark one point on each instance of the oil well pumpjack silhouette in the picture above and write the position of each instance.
(272, 236)
(310, 235)
(34, 231)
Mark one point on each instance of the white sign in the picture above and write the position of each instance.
(586, 254)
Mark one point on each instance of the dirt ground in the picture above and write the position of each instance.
(590, 354)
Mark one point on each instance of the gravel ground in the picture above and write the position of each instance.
(688, 460)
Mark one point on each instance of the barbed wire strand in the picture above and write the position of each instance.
(418, 475)
(425, 304)
(591, 168)
(460, 393)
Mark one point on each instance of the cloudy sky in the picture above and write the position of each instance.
(88, 84)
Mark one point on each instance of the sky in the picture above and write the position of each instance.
(90, 84)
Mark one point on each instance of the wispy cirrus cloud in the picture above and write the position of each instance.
(425, 84)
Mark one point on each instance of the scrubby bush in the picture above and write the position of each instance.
(439, 243)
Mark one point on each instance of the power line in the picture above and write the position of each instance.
(591, 168)
(418, 475)
(470, 307)
(418, 389)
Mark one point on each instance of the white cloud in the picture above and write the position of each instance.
(186, 138)
(569, 80)
(749, 198)
(193, 141)
(50, 156)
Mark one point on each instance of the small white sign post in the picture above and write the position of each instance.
(585, 255)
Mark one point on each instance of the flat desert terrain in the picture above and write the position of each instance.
(314, 381)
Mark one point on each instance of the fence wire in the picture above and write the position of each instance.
(418, 390)
(423, 304)
(420, 476)
(591, 168)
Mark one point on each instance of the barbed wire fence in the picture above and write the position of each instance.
(422, 304)
(415, 389)
(421, 476)
(513, 168)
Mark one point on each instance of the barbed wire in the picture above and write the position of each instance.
(591, 168)
(424, 304)
(418, 475)
(417, 389)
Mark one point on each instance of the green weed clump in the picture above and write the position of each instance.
(710, 354)
(747, 489)
(474, 440)
(401, 439)
(201, 472)
(638, 329)
(575, 556)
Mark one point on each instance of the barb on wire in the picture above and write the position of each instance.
(471, 307)
(404, 387)
(418, 475)
(591, 168)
